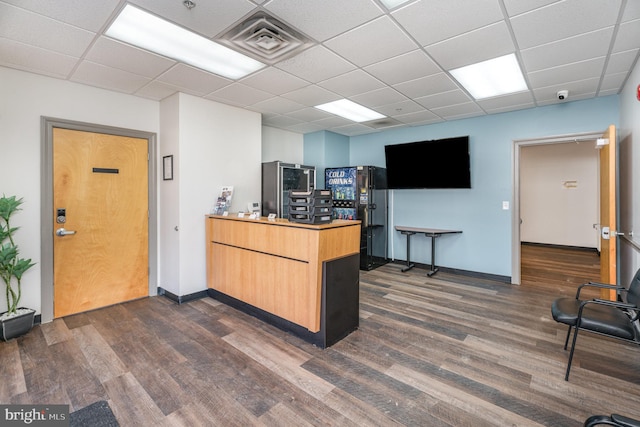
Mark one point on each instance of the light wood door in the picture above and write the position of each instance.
(101, 183)
(608, 267)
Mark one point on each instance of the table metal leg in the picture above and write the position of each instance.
(434, 269)
(409, 264)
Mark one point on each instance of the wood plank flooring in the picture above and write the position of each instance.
(449, 350)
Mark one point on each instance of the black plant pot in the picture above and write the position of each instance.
(18, 325)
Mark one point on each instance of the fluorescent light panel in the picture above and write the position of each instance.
(147, 31)
(499, 76)
(393, 3)
(350, 110)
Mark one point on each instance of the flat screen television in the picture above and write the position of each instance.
(441, 163)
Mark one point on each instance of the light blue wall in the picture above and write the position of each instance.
(324, 150)
(485, 244)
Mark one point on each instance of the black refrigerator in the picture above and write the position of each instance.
(277, 179)
(360, 192)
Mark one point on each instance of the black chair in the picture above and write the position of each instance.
(616, 319)
(613, 420)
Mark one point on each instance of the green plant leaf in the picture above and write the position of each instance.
(21, 266)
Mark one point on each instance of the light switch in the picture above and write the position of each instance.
(505, 205)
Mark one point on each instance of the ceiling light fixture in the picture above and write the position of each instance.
(350, 110)
(393, 3)
(495, 77)
(141, 29)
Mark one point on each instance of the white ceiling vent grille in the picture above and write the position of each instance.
(387, 122)
(265, 38)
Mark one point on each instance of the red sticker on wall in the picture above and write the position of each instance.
(638, 94)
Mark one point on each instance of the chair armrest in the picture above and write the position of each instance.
(598, 285)
(614, 304)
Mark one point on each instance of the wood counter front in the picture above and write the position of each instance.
(276, 265)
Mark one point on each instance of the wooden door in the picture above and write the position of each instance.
(608, 266)
(100, 186)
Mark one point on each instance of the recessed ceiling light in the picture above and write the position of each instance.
(350, 110)
(393, 3)
(499, 76)
(141, 29)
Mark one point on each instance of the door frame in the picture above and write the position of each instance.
(516, 255)
(47, 124)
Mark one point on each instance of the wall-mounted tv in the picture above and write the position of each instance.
(441, 163)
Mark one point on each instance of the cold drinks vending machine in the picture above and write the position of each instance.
(360, 192)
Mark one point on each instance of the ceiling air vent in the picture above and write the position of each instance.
(265, 38)
(387, 122)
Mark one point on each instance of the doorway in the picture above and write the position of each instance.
(516, 196)
(94, 136)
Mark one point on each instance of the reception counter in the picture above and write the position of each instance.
(303, 278)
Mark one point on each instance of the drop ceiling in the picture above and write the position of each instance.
(395, 62)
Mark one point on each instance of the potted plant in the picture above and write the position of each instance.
(16, 320)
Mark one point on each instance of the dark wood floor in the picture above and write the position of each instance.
(449, 350)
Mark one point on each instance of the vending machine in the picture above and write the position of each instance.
(360, 192)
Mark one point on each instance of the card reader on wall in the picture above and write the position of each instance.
(253, 207)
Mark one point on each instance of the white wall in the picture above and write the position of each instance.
(217, 145)
(25, 98)
(552, 213)
(629, 154)
(286, 146)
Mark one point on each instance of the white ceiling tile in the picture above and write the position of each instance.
(612, 82)
(435, 20)
(353, 129)
(274, 80)
(193, 80)
(208, 18)
(443, 99)
(89, 15)
(93, 74)
(399, 108)
(568, 44)
(316, 64)
(37, 30)
(240, 94)
(419, 117)
(109, 52)
(628, 36)
(501, 102)
(631, 11)
(567, 73)
(332, 121)
(278, 105)
(311, 96)
(516, 7)
(309, 114)
(402, 68)
(622, 62)
(479, 45)
(425, 86)
(34, 59)
(377, 97)
(579, 89)
(563, 19)
(324, 19)
(305, 128)
(382, 33)
(460, 111)
(572, 49)
(352, 83)
(157, 90)
(278, 121)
